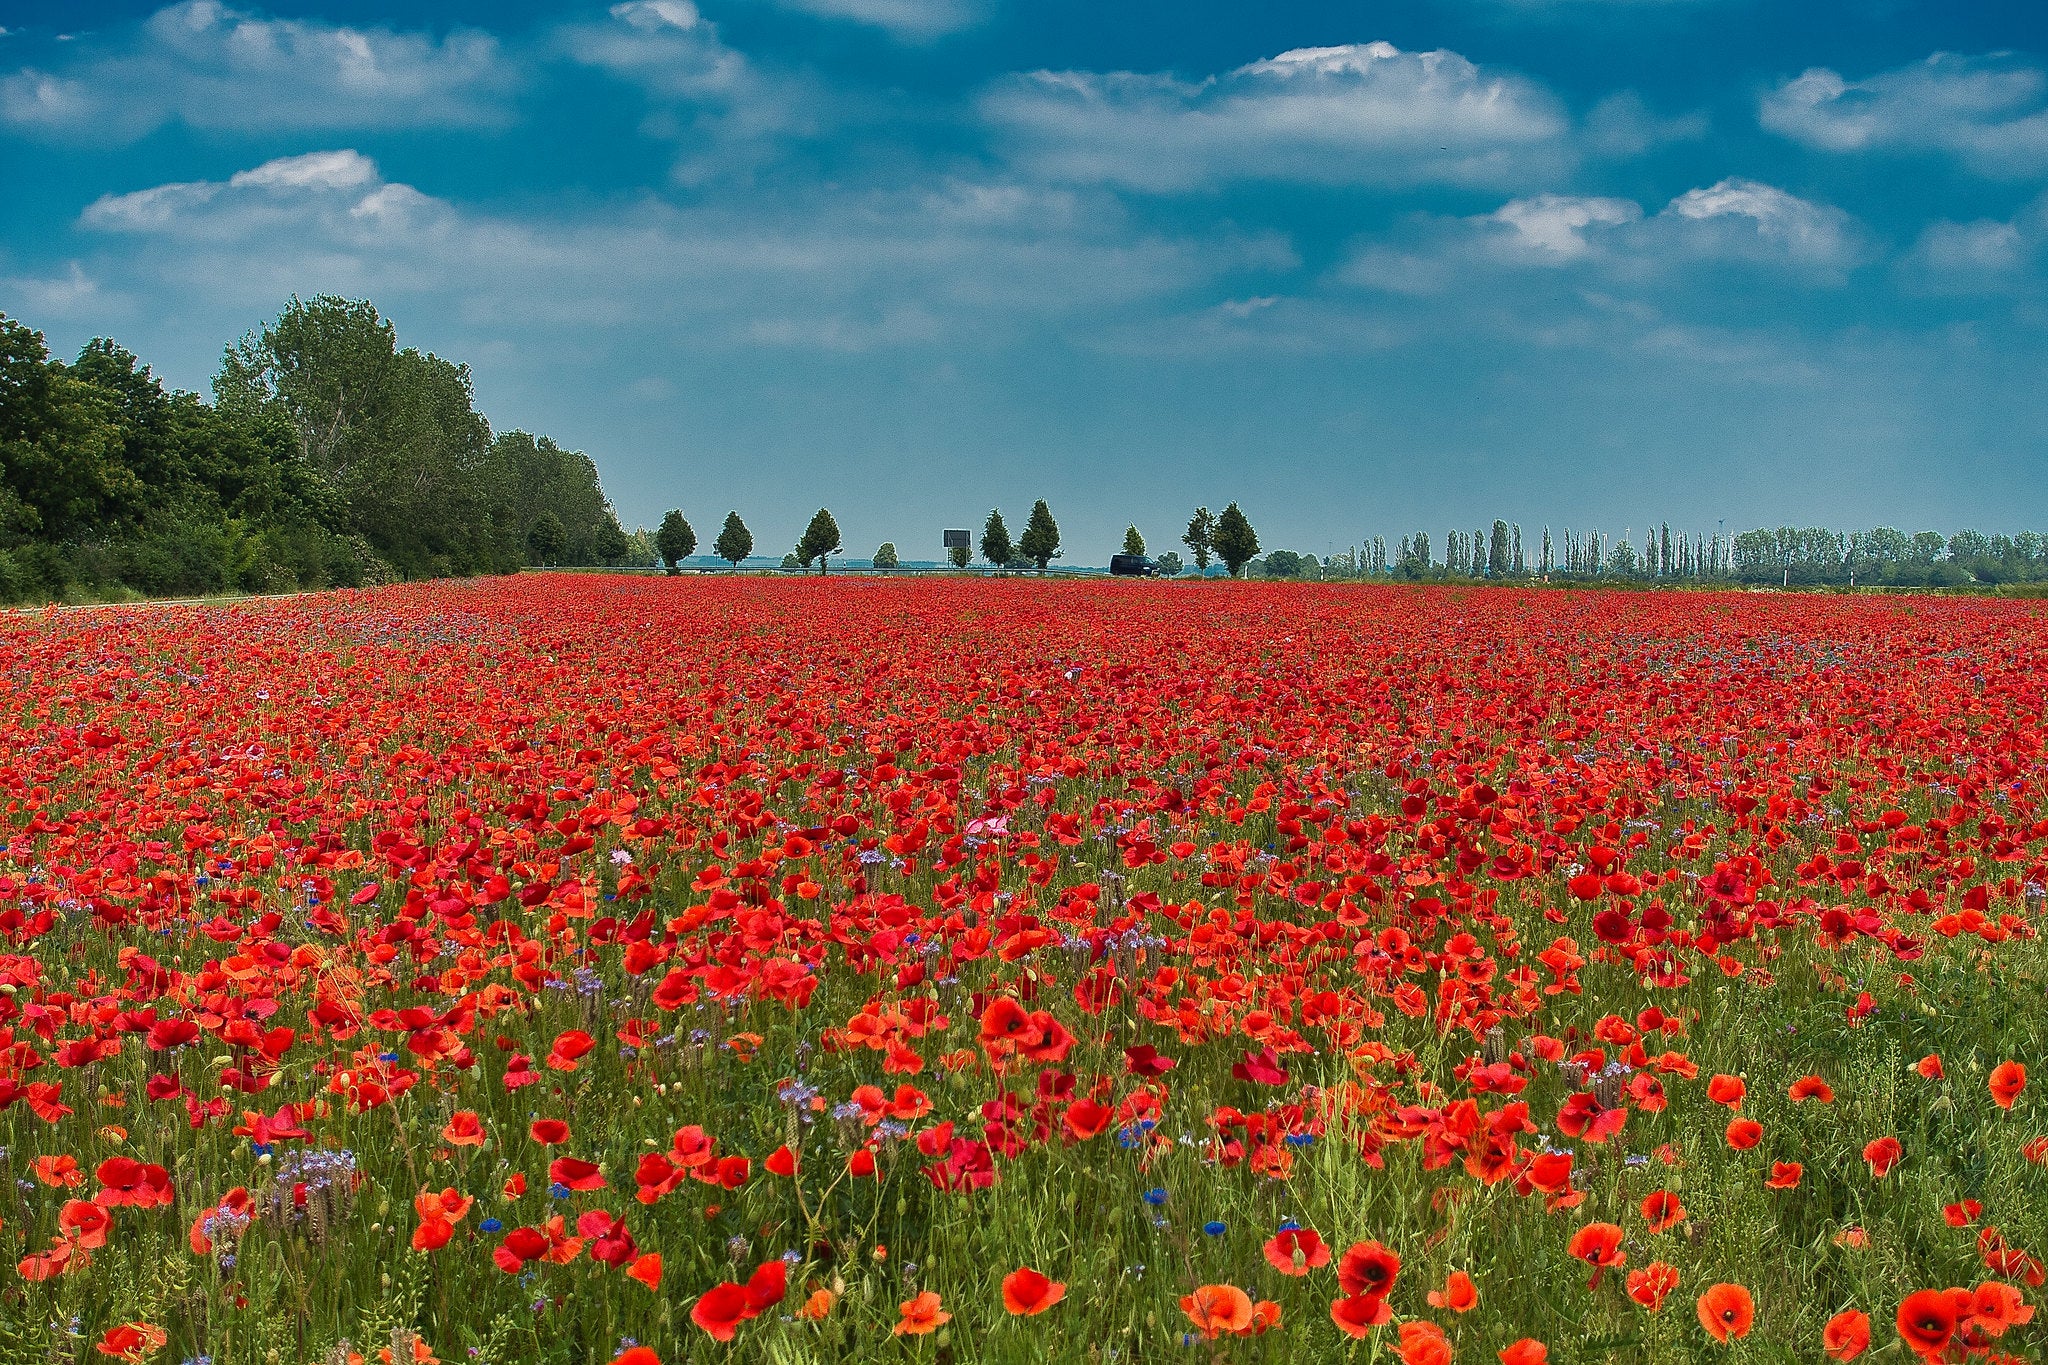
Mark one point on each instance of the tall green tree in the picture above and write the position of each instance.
(735, 542)
(1501, 553)
(885, 555)
(1134, 544)
(546, 540)
(995, 540)
(1236, 543)
(820, 539)
(675, 540)
(1040, 542)
(1201, 537)
(959, 555)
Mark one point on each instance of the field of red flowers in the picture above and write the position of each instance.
(586, 970)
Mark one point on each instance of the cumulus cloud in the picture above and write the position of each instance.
(1732, 222)
(1984, 256)
(833, 272)
(1361, 114)
(1990, 111)
(724, 113)
(1745, 219)
(208, 66)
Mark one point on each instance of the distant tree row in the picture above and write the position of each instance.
(329, 455)
(1787, 556)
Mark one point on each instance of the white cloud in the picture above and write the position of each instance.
(724, 113)
(1990, 111)
(909, 20)
(1733, 222)
(1987, 256)
(70, 296)
(1743, 218)
(827, 271)
(1361, 114)
(208, 66)
(1555, 224)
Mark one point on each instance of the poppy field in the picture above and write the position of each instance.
(571, 970)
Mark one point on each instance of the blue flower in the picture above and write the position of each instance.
(1155, 1197)
(1289, 1225)
(1215, 1227)
(261, 1148)
(492, 1225)
(1300, 1139)
(558, 1191)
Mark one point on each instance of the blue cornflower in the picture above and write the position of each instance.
(492, 1225)
(1215, 1227)
(1300, 1139)
(1155, 1197)
(558, 1191)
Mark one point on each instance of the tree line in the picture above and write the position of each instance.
(327, 456)
(1786, 556)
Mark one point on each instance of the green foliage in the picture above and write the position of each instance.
(546, 541)
(1201, 537)
(995, 540)
(328, 456)
(820, 538)
(735, 542)
(1134, 544)
(1040, 543)
(676, 541)
(885, 555)
(1170, 565)
(1283, 564)
(1236, 543)
(959, 554)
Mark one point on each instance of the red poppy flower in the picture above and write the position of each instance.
(1726, 1311)
(1357, 1314)
(1847, 1335)
(720, 1310)
(1926, 1320)
(1459, 1294)
(576, 1173)
(1785, 1175)
(1218, 1309)
(548, 1132)
(1026, 1293)
(1599, 1246)
(921, 1316)
(1527, 1351)
(2008, 1079)
(1882, 1154)
(1662, 1210)
(1743, 1134)
(1812, 1088)
(1296, 1251)
(1368, 1268)
(1727, 1090)
(463, 1129)
(1651, 1285)
(132, 1340)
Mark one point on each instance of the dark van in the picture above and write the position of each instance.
(1133, 566)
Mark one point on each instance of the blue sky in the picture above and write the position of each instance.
(1364, 268)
